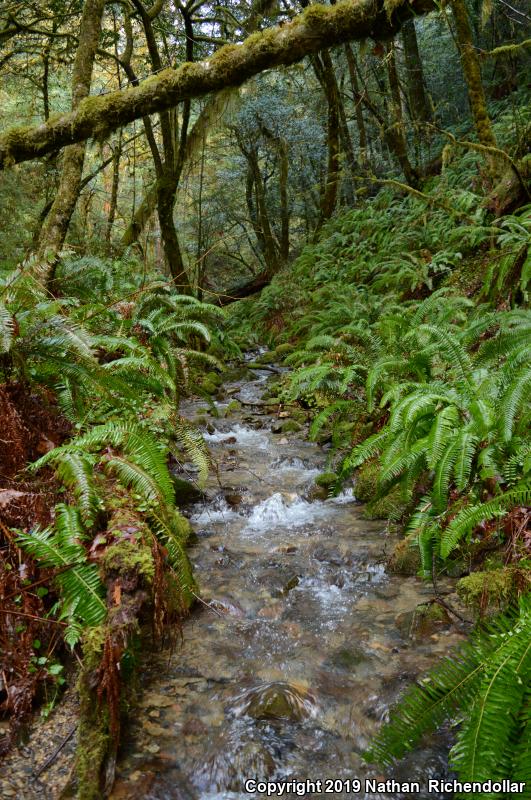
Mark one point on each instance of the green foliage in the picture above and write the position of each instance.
(82, 598)
(487, 684)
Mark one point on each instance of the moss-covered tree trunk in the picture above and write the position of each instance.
(113, 203)
(325, 74)
(472, 73)
(55, 227)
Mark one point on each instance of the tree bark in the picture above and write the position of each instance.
(55, 227)
(396, 132)
(362, 133)
(324, 71)
(114, 191)
(418, 99)
(316, 28)
(472, 73)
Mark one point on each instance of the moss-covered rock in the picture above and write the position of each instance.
(405, 558)
(490, 591)
(186, 492)
(326, 480)
(425, 620)
(209, 386)
(233, 407)
(390, 507)
(290, 426)
(297, 414)
(283, 350)
(366, 483)
(214, 377)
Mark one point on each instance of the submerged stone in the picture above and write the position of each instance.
(278, 700)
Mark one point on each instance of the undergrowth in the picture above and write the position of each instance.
(409, 344)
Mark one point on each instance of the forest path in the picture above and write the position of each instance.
(305, 643)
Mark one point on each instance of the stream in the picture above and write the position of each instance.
(292, 659)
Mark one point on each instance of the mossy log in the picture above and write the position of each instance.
(316, 28)
(131, 569)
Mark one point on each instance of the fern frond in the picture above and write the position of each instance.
(471, 516)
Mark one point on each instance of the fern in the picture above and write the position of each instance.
(82, 596)
(471, 516)
(477, 681)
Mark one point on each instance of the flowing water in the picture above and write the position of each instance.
(291, 661)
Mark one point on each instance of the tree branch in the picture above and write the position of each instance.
(317, 27)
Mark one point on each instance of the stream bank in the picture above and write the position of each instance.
(302, 639)
(297, 648)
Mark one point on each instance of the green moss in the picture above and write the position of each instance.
(266, 358)
(209, 387)
(366, 483)
(390, 507)
(326, 480)
(214, 378)
(128, 556)
(284, 350)
(185, 493)
(290, 426)
(493, 590)
(233, 406)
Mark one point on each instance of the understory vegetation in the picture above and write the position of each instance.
(407, 334)
(182, 184)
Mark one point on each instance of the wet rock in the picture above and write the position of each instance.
(152, 729)
(186, 492)
(329, 555)
(290, 584)
(273, 611)
(194, 727)
(424, 621)
(277, 700)
(230, 766)
(156, 700)
(316, 493)
(347, 659)
(286, 426)
(225, 606)
(233, 499)
(386, 592)
(405, 558)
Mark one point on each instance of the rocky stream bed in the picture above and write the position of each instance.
(299, 644)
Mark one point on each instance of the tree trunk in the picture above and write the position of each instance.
(55, 227)
(351, 63)
(396, 132)
(472, 73)
(284, 200)
(418, 100)
(170, 240)
(325, 74)
(114, 191)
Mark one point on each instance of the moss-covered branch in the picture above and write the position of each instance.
(318, 27)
